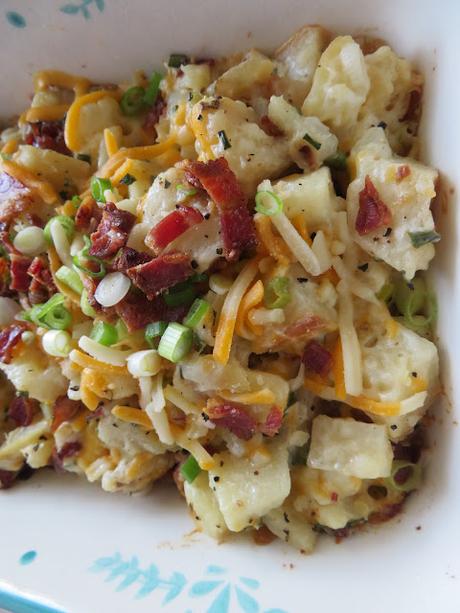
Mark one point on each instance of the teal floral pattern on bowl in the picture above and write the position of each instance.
(83, 8)
(215, 591)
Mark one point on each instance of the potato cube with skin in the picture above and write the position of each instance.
(291, 527)
(203, 505)
(354, 448)
(340, 87)
(247, 491)
(406, 188)
(243, 79)
(310, 141)
(297, 60)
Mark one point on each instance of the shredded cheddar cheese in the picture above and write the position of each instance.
(251, 299)
(132, 415)
(46, 113)
(56, 78)
(110, 141)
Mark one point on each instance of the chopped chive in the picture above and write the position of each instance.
(314, 143)
(128, 179)
(84, 157)
(338, 161)
(180, 295)
(185, 190)
(223, 139)
(66, 222)
(176, 60)
(277, 294)
(190, 469)
(85, 306)
(76, 201)
(418, 239)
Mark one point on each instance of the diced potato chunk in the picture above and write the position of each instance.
(204, 507)
(240, 80)
(246, 491)
(291, 527)
(354, 448)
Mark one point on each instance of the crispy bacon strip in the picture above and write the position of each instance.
(237, 226)
(161, 273)
(234, 418)
(19, 265)
(112, 231)
(9, 338)
(42, 285)
(172, 226)
(153, 114)
(269, 127)
(317, 358)
(373, 213)
(273, 422)
(47, 135)
(88, 216)
(137, 311)
(22, 410)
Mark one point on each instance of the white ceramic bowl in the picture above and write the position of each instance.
(97, 553)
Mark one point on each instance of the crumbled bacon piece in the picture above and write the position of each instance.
(88, 216)
(9, 338)
(237, 225)
(154, 114)
(234, 418)
(42, 285)
(5, 278)
(15, 197)
(64, 409)
(317, 358)
(273, 422)
(127, 258)
(161, 273)
(19, 265)
(47, 135)
(269, 127)
(373, 213)
(402, 172)
(137, 311)
(22, 410)
(386, 513)
(305, 327)
(68, 450)
(413, 107)
(172, 226)
(112, 231)
(7, 478)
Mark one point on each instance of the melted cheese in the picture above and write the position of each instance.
(56, 78)
(52, 112)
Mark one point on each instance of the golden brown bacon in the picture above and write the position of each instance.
(47, 135)
(22, 410)
(9, 339)
(112, 231)
(237, 225)
(373, 213)
(317, 358)
(233, 418)
(127, 258)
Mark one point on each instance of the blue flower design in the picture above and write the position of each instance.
(15, 19)
(76, 8)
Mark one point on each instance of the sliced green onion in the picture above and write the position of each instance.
(385, 293)
(198, 311)
(58, 319)
(84, 157)
(133, 101)
(223, 139)
(418, 239)
(268, 203)
(66, 222)
(98, 187)
(85, 306)
(185, 190)
(52, 314)
(146, 363)
(76, 201)
(70, 278)
(122, 330)
(154, 330)
(338, 161)
(176, 342)
(80, 259)
(182, 293)
(57, 343)
(405, 476)
(277, 294)
(30, 240)
(190, 469)
(128, 179)
(314, 143)
(153, 88)
(410, 297)
(104, 333)
(176, 60)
